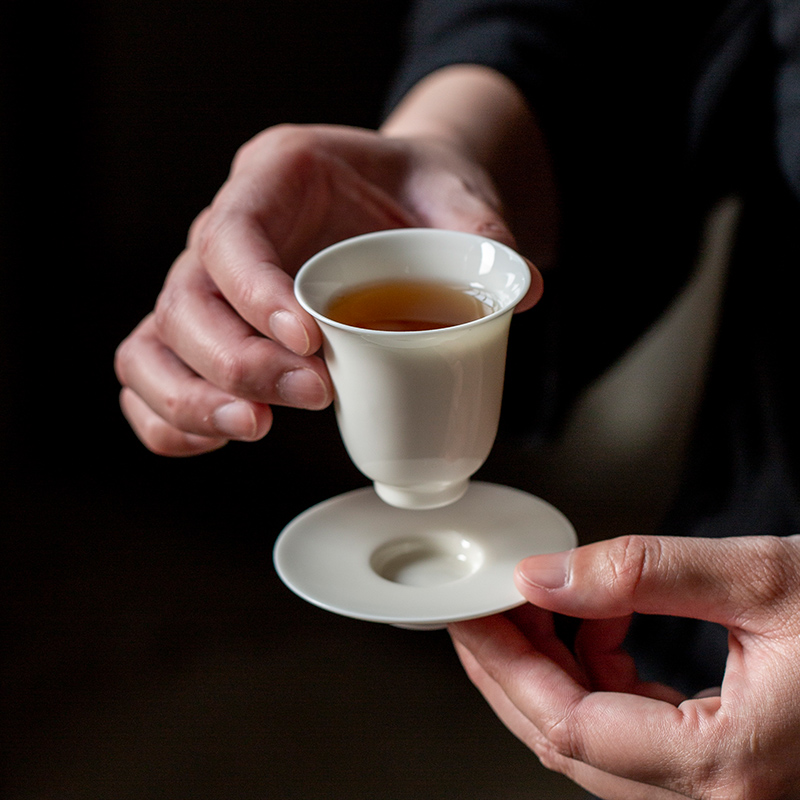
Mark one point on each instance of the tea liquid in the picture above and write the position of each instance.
(406, 305)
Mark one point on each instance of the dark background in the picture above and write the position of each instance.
(150, 650)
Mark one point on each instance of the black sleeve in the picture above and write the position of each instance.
(785, 26)
(608, 82)
(528, 41)
(572, 59)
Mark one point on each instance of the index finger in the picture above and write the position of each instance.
(246, 268)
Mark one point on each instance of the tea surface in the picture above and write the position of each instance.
(402, 305)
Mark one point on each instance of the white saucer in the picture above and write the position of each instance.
(356, 556)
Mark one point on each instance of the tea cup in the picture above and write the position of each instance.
(417, 410)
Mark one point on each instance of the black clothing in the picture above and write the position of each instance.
(652, 113)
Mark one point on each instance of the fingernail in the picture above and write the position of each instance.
(303, 388)
(236, 420)
(289, 331)
(550, 571)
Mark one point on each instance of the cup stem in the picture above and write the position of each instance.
(421, 497)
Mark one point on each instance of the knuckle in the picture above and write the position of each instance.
(289, 139)
(207, 233)
(175, 410)
(629, 558)
(562, 737)
(156, 438)
(129, 351)
(302, 153)
(122, 358)
(232, 372)
(172, 430)
(162, 441)
(154, 432)
(197, 227)
(248, 297)
(774, 576)
(166, 311)
(246, 152)
(289, 133)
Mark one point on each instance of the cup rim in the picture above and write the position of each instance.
(525, 280)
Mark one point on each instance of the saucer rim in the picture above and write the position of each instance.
(506, 598)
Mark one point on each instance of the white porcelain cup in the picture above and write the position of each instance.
(417, 411)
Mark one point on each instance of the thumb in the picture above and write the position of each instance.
(746, 582)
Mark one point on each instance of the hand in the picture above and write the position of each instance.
(227, 339)
(589, 715)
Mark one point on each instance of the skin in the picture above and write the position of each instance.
(227, 340)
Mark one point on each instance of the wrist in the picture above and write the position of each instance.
(473, 108)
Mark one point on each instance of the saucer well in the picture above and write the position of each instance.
(356, 556)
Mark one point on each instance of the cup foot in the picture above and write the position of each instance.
(421, 497)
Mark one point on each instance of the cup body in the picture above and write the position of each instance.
(418, 410)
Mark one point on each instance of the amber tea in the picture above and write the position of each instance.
(407, 305)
